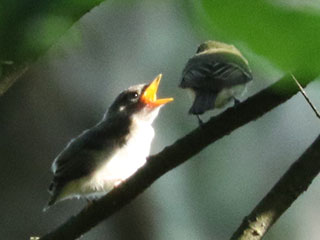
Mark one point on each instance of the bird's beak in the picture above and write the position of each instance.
(150, 94)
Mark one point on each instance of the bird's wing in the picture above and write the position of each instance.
(82, 155)
(214, 72)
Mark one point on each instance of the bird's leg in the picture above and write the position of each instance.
(236, 101)
(199, 120)
(90, 202)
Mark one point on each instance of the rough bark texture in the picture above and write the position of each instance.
(178, 153)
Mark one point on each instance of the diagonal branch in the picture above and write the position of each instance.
(291, 185)
(179, 152)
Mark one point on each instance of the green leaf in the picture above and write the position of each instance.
(288, 37)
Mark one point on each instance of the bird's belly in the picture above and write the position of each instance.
(226, 94)
(120, 166)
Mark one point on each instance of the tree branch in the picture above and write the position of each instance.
(291, 185)
(178, 153)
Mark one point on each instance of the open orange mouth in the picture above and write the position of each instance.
(150, 94)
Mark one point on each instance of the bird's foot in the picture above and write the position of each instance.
(90, 202)
(199, 120)
(236, 101)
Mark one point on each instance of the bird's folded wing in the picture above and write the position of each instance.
(214, 74)
(82, 156)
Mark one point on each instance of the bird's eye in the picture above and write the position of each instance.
(202, 47)
(133, 96)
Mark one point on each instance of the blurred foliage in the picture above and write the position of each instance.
(288, 37)
(124, 44)
(29, 27)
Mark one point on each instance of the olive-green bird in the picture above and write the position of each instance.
(216, 74)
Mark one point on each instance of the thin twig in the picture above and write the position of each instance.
(303, 92)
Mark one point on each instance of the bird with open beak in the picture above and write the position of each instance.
(216, 74)
(111, 151)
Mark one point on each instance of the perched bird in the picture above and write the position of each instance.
(111, 151)
(216, 74)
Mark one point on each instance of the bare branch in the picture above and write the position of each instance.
(303, 92)
(291, 185)
(176, 154)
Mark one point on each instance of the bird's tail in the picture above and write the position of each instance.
(203, 101)
(54, 196)
(51, 201)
